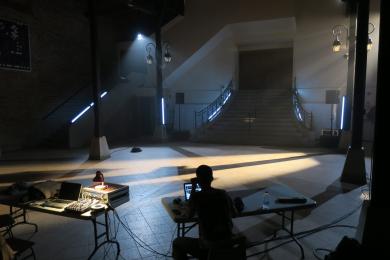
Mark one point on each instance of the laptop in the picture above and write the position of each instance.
(188, 188)
(69, 194)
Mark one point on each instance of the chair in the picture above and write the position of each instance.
(230, 249)
(19, 246)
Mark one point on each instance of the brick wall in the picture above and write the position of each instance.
(60, 60)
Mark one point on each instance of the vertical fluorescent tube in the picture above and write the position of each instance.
(162, 111)
(342, 113)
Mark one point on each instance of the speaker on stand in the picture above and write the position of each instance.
(332, 97)
(330, 138)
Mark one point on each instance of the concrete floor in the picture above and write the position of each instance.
(159, 171)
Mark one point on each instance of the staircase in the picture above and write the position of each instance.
(257, 117)
(52, 130)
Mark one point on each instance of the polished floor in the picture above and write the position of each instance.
(159, 171)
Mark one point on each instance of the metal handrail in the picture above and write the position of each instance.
(64, 102)
(208, 113)
(304, 118)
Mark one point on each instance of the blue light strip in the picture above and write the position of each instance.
(342, 114)
(300, 116)
(162, 111)
(214, 115)
(86, 109)
(226, 99)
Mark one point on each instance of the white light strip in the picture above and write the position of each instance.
(82, 112)
(300, 116)
(214, 115)
(86, 109)
(226, 99)
(342, 114)
(216, 112)
(162, 111)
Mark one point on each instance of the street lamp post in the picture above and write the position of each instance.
(160, 131)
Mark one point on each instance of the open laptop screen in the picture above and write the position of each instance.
(69, 191)
(188, 188)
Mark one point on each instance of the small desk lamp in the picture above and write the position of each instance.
(99, 181)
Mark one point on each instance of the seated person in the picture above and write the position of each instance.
(215, 210)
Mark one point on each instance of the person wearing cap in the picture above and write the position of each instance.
(214, 209)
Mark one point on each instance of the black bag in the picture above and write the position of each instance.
(348, 248)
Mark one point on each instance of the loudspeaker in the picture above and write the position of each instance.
(332, 97)
(179, 98)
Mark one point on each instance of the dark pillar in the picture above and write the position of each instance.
(159, 132)
(159, 80)
(99, 148)
(376, 229)
(351, 65)
(354, 171)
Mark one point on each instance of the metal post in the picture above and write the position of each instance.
(352, 8)
(195, 126)
(354, 171)
(95, 59)
(99, 148)
(179, 119)
(159, 86)
(159, 131)
(95, 233)
(331, 119)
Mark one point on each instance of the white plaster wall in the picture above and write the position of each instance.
(203, 75)
(204, 82)
(204, 18)
(316, 67)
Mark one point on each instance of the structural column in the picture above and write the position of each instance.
(376, 229)
(354, 171)
(159, 129)
(346, 128)
(351, 65)
(99, 148)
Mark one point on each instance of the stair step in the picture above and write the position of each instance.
(274, 122)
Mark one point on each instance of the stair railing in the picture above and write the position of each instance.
(64, 102)
(304, 118)
(210, 112)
